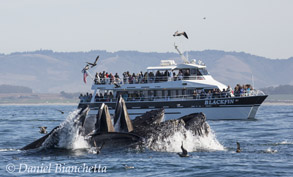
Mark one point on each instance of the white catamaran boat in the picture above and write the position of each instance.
(180, 89)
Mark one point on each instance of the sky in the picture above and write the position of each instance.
(258, 27)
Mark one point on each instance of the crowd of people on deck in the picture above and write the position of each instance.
(138, 78)
(99, 97)
(239, 91)
(243, 90)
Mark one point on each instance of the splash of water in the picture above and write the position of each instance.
(8, 149)
(269, 150)
(68, 134)
(285, 142)
(191, 142)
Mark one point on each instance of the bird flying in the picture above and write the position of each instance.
(95, 63)
(62, 112)
(180, 33)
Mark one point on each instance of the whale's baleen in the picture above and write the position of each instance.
(104, 122)
(105, 131)
(121, 117)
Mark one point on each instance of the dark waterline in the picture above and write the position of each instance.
(267, 148)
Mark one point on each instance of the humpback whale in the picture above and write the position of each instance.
(119, 130)
(54, 132)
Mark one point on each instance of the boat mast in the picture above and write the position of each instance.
(185, 60)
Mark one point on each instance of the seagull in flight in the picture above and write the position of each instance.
(62, 112)
(181, 33)
(95, 63)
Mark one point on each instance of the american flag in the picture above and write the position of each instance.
(85, 74)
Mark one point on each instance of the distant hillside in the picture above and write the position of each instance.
(14, 89)
(48, 71)
(281, 89)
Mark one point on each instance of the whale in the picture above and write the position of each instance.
(119, 130)
(80, 117)
(96, 129)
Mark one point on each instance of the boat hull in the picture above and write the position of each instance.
(233, 108)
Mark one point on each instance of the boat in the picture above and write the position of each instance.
(180, 89)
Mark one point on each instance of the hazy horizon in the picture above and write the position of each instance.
(175, 52)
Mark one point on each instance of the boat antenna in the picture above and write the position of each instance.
(182, 56)
(252, 80)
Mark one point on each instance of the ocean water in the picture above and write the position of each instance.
(266, 143)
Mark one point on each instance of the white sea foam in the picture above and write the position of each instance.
(285, 142)
(190, 141)
(269, 150)
(3, 150)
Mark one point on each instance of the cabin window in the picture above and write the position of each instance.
(186, 72)
(189, 92)
(173, 93)
(203, 71)
(150, 95)
(184, 92)
(145, 93)
(198, 72)
(159, 93)
(179, 92)
(193, 71)
(169, 92)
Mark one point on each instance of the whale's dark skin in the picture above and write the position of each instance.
(153, 131)
(147, 128)
(38, 143)
(102, 131)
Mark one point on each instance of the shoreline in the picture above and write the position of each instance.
(271, 103)
(38, 104)
(278, 103)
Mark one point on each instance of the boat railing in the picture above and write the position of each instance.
(203, 96)
(253, 92)
(143, 80)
